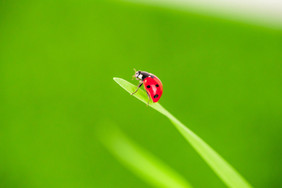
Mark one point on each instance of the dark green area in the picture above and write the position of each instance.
(57, 60)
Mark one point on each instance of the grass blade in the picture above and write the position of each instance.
(141, 162)
(220, 166)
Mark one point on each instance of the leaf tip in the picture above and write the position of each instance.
(116, 79)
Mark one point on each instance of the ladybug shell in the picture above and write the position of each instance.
(154, 87)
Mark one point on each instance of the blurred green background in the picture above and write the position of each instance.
(57, 60)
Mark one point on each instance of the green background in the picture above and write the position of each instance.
(57, 59)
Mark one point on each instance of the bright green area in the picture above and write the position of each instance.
(221, 79)
(224, 170)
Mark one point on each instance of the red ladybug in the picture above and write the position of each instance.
(152, 84)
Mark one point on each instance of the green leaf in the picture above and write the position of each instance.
(139, 161)
(220, 166)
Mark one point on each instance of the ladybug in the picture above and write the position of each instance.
(152, 84)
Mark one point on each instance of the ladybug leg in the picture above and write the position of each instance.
(137, 88)
(148, 99)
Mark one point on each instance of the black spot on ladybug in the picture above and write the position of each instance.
(157, 85)
(156, 96)
(148, 86)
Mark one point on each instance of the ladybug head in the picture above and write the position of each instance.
(138, 75)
